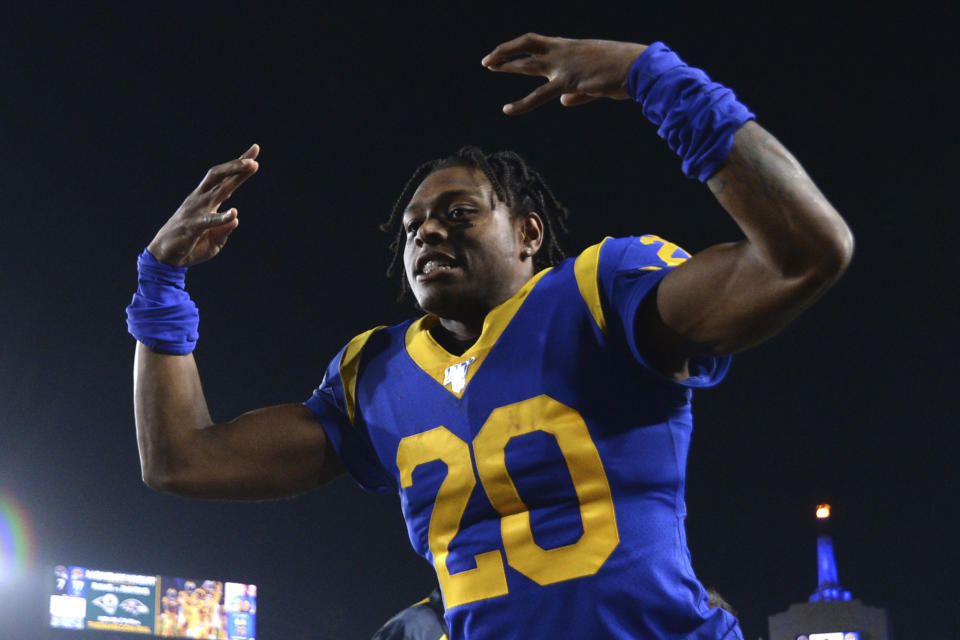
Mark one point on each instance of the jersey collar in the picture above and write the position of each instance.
(454, 372)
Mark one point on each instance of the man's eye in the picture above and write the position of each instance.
(459, 212)
(412, 226)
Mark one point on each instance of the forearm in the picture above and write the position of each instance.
(169, 408)
(786, 219)
(731, 296)
(272, 452)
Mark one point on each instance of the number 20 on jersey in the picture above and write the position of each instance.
(544, 566)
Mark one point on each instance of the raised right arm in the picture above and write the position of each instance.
(268, 453)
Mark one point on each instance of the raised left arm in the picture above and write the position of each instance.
(729, 296)
(732, 296)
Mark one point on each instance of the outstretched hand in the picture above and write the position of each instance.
(577, 71)
(197, 231)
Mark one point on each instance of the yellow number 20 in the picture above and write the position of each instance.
(544, 566)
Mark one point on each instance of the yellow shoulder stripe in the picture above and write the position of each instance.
(586, 269)
(349, 366)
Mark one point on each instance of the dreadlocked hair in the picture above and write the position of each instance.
(514, 182)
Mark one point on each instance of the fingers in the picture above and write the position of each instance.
(578, 71)
(526, 55)
(245, 164)
(241, 168)
(198, 224)
(542, 94)
(576, 99)
(222, 180)
(526, 65)
(225, 189)
(527, 44)
(219, 235)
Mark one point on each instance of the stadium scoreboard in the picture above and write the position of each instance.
(82, 598)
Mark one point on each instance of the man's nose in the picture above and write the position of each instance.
(431, 231)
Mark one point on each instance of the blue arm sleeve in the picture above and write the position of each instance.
(630, 269)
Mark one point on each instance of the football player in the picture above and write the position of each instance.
(535, 421)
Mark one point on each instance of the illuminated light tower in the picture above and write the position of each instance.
(831, 613)
(828, 585)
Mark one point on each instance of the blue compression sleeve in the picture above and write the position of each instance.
(162, 315)
(697, 117)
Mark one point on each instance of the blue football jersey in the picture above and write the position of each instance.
(542, 471)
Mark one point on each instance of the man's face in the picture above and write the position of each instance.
(463, 253)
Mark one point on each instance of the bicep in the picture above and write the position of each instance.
(268, 453)
(724, 299)
(732, 296)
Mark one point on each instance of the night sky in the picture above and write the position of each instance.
(111, 114)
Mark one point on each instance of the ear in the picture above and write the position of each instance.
(531, 234)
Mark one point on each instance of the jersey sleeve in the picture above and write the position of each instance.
(628, 270)
(333, 404)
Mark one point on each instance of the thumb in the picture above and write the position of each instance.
(212, 220)
(219, 235)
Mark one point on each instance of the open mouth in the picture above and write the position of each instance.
(435, 264)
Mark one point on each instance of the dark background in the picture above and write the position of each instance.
(111, 113)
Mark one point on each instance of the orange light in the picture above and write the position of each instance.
(823, 511)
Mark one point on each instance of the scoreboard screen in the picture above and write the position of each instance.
(169, 607)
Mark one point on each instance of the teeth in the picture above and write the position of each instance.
(433, 265)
